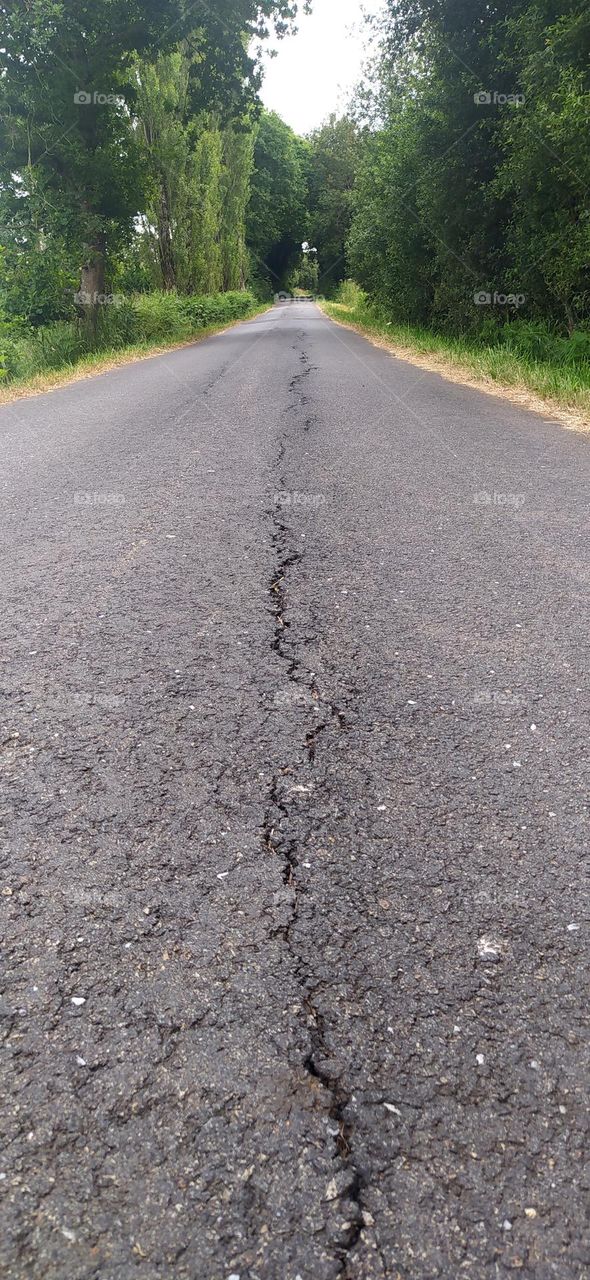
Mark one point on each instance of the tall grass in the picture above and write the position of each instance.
(143, 320)
(520, 354)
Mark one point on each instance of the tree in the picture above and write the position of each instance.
(545, 171)
(238, 160)
(68, 93)
(161, 107)
(475, 170)
(64, 89)
(198, 181)
(335, 151)
(277, 218)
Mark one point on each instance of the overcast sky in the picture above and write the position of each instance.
(316, 69)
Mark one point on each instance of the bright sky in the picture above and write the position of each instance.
(316, 69)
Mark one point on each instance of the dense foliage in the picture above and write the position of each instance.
(135, 160)
(277, 216)
(142, 320)
(471, 201)
(335, 152)
(126, 141)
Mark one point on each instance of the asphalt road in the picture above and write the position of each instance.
(295, 798)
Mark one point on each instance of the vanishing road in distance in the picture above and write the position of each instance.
(295, 806)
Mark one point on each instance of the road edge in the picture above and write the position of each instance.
(54, 380)
(571, 419)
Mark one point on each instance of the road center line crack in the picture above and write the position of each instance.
(278, 840)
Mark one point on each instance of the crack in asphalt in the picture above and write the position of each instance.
(277, 840)
(295, 385)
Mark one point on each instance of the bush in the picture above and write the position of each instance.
(217, 308)
(158, 317)
(141, 320)
(37, 283)
(350, 294)
(532, 341)
(536, 340)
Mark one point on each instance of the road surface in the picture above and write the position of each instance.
(295, 800)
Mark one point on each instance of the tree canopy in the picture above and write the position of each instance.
(475, 177)
(135, 154)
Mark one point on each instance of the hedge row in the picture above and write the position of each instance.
(144, 319)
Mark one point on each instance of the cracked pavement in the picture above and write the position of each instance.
(294, 818)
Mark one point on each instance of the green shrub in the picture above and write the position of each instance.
(217, 308)
(37, 282)
(350, 294)
(536, 340)
(145, 319)
(528, 353)
(158, 317)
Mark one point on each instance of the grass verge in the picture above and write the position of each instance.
(540, 385)
(113, 357)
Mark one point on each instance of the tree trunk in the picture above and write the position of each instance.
(92, 280)
(165, 250)
(570, 317)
